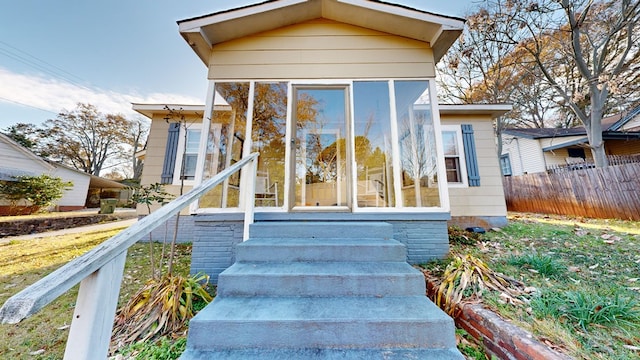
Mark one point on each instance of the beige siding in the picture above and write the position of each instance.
(321, 49)
(488, 198)
(154, 159)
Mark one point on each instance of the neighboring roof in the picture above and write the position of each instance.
(610, 127)
(97, 182)
(495, 110)
(544, 132)
(202, 32)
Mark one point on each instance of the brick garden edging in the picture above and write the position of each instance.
(498, 336)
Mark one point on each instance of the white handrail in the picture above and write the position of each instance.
(87, 267)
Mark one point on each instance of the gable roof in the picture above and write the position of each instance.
(203, 32)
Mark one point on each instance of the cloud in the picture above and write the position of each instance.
(55, 95)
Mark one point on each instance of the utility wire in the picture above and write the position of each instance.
(31, 106)
(42, 65)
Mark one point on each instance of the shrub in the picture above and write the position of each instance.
(39, 191)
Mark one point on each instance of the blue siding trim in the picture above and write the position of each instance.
(470, 155)
(327, 216)
(170, 153)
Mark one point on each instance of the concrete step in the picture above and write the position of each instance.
(304, 249)
(321, 229)
(321, 279)
(328, 323)
(324, 354)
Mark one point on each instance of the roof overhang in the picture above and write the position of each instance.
(494, 110)
(96, 182)
(149, 110)
(203, 32)
(566, 144)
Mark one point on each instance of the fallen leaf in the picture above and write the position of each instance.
(530, 289)
(631, 347)
(533, 271)
(594, 266)
(610, 242)
(37, 352)
(633, 279)
(574, 269)
(64, 327)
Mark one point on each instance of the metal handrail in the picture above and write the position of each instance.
(87, 269)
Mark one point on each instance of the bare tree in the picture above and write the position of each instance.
(85, 138)
(586, 50)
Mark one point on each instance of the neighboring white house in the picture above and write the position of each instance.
(16, 160)
(527, 151)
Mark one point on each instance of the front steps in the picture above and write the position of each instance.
(321, 290)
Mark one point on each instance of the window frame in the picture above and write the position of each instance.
(180, 153)
(504, 164)
(462, 162)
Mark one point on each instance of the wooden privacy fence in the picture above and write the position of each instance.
(611, 192)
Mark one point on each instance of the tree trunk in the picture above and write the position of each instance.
(594, 130)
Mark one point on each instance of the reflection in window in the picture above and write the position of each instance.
(373, 144)
(451, 156)
(225, 141)
(191, 154)
(268, 138)
(417, 144)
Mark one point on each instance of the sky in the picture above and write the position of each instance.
(54, 54)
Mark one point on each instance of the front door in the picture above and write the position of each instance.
(321, 143)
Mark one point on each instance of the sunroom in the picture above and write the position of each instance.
(339, 98)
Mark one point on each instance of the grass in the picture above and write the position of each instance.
(586, 279)
(24, 262)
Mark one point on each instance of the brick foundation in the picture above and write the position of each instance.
(498, 336)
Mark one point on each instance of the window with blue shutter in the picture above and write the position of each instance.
(170, 152)
(470, 154)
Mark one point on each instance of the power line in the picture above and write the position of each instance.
(31, 106)
(42, 65)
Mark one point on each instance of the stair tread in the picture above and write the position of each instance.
(336, 309)
(327, 354)
(321, 268)
(318, 241)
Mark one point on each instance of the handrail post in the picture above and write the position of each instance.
(249, 203)
(92, 324)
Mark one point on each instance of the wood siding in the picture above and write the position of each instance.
(77, 195)
(525, 155)
(154, 159)
(488, 198)
(321, 49)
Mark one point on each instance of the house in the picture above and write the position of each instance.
(339, 99)
(17, 161)
(526, 151)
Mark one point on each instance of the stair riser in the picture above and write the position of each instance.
(289, 253)
(326, 334)
(324, 230)
(325, 354)
(320, 285)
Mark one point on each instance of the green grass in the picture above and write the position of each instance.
(24, 262)
(587, 276)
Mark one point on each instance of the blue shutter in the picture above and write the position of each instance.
(170, 153)
(470, 155)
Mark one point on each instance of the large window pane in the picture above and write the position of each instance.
(225, 141)
(373, 144)
(268, 138)
(417, 144)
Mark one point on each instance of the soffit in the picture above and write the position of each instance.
(201, 33)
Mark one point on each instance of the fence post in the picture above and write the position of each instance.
(95, 309)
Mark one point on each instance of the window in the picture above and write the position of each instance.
(576, 153)
(505, 165)
(187, 153)
(454, 159)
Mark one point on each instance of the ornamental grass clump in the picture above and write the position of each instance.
(467, 277)
(161, 308)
